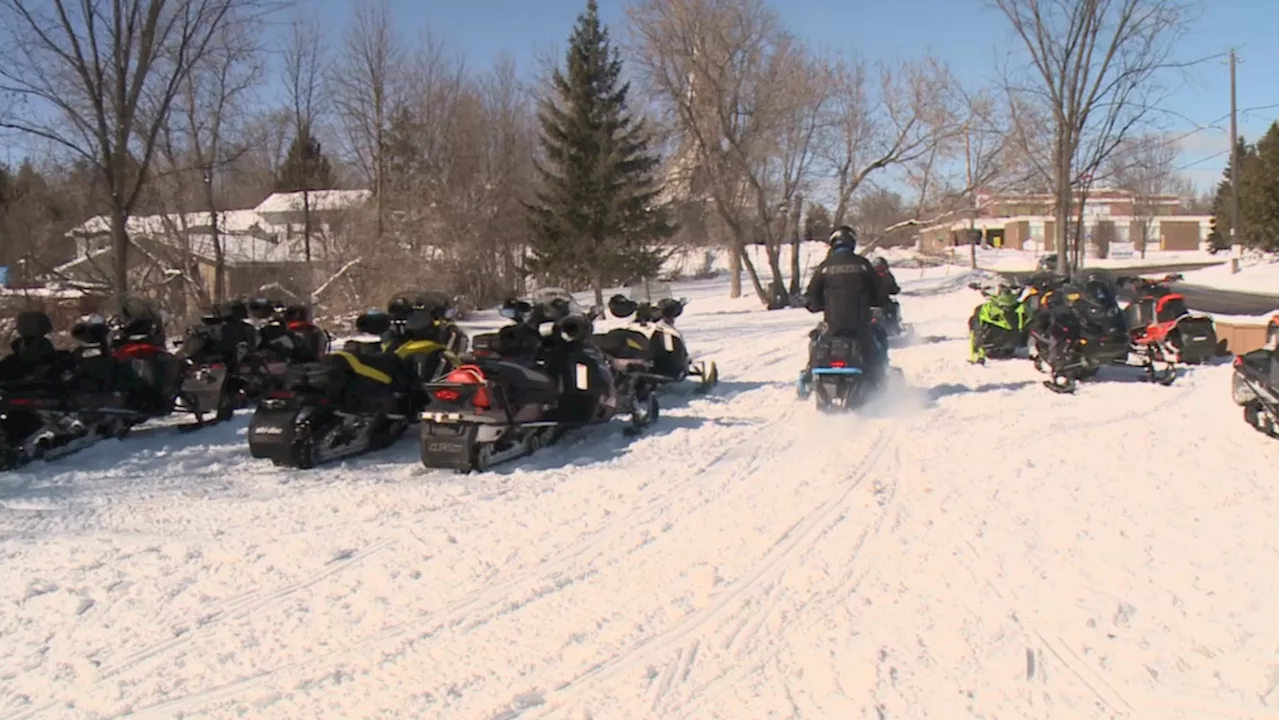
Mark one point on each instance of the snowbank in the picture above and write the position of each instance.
(1260, 277)
(973, 547)
(1020, 260)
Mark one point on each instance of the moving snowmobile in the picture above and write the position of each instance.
(54, 403)
(1159, 316)
(521, 389)
(652, 336)
(999, 326)
(360, 398)
(1078, 328)
(1253, 387)
(233, 363)
(836, 368)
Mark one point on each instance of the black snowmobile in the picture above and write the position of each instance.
(1078, 328)
(1254, 384)
(836, 376)
(652, 337)
(362, 397)
(235, 363)
(522, 389)
(56, 402)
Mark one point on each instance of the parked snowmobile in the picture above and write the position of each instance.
(652, 336)
(1159, 316)
(233, 363)
(357, 399)
(522, 389)
(890, 318)
(999, 326)
(54, 402)
(1253, 387)
(1079, 328)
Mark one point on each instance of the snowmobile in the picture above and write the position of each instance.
(1253, 387)
(835, 376)
(234, 364)
(1078, 328)
(360, 398)
(999, 326)
(890, 319)
(1159, 316)
(522, 389)
(54, 403)
(652, 336)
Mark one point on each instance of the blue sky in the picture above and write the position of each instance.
(966, 33)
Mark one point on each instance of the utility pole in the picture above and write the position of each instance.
(1234, 206)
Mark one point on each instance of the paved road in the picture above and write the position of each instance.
(1204, 299)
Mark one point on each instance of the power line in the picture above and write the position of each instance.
(1206, 158)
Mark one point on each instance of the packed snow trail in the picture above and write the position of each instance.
(974, 547)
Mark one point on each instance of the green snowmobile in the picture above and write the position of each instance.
(999, 326)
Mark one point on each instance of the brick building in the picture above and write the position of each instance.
(1115, 221)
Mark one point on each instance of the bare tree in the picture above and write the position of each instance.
(305, 64)
(99, 79)
(900, 120)
(1090, 69)
(748, 99)
(1145, 166)
(362, 92)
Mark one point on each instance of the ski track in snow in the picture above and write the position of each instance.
(972, 546)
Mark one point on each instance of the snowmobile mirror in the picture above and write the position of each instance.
(373, 323)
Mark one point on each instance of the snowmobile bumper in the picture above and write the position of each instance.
(463, 441)
(273, 431)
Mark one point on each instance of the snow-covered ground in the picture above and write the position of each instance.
(1261, 277)
(976, 547)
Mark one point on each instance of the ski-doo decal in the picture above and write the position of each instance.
(361, 369)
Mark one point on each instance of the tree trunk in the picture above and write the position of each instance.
(796, 207)
(735, 268)
(755, 278)
(1062, 203)
(120, 249)
(597, 285)
(219, 259)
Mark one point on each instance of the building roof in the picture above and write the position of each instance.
(320, 200)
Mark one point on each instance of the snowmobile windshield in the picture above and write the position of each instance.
(651, 292)
(1172, 308)
(549, 297)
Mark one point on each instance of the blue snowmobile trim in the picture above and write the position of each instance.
(837, 371)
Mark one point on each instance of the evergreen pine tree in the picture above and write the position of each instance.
(305, 166)
(1220, 224)
(596, 218)
(1260, 195)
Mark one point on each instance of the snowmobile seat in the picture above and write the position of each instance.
(367, 383)
(521, 384)
(623, 343)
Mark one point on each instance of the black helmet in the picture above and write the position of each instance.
(844, 236)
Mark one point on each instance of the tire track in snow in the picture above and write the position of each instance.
(687, 636)
(241, 607)
(571, 565)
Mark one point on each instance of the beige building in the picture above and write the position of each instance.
(1116, 223)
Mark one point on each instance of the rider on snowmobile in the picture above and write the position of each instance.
(844, 288)
(888, 287)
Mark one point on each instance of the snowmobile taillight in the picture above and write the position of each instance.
(471, 375)
(22, 402)
(447, 395)
(280, 395)
(837, 363)
(1237, 362)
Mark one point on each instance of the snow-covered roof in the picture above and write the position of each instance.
(231, 221)
(320, 200)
